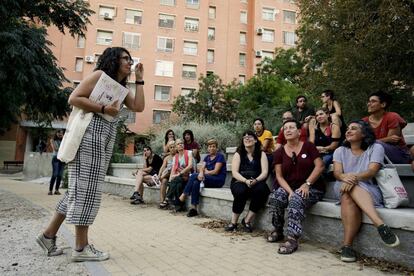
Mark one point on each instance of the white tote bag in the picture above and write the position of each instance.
(391, 186)
(75, 129)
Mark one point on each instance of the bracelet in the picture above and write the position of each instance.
(103, 109)
(141, 82)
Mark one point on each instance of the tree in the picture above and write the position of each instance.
(30, 80)
(356, 47)
(212, 102)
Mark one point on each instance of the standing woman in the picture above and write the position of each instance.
(57, 165)
(80, 204)
(298, 167)
(169, 136)
(249, 169)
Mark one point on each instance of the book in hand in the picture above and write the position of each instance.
(106, 92)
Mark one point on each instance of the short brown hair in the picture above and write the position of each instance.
(212, 141)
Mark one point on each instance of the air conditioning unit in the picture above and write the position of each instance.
(90, 59)
(259, 54)
(107, 16)
(259, 31)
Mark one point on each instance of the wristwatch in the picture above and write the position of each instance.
(141, 82)
(308, 183)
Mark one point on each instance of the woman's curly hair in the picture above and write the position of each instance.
(110, 60)
(367, 132)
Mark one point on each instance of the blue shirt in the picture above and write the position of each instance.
(211, 164)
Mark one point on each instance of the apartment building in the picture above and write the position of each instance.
(177, 40)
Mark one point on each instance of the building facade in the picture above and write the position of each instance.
(177, 40)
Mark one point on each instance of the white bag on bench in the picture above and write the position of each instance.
(390, 184)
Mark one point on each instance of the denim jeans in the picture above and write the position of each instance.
(57, 174)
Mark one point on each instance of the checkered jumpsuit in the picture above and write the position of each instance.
(80, 204)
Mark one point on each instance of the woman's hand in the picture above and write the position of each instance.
(139, 72)
(112, 109)
(346, 187)
(350, 178)
(303, 191)
(200, 177)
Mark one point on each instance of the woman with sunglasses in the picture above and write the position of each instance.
(298, 167)
(80, 204)
(249, 169)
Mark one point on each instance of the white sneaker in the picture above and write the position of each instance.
(48, 245)
(89, 253)
(156, 180)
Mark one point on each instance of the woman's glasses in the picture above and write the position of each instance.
(294, 158)
(248, 137)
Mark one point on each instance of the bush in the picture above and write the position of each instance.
(120, 158)
(227, 134)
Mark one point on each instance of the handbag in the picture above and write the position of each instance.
(390, 184)
(75, 130)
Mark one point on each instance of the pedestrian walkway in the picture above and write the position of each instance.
(144, 240)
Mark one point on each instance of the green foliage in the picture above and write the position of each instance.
(227, 134)
(356, 47)
(209, 103)
(30, 80)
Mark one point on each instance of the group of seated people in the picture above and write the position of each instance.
(307, 143)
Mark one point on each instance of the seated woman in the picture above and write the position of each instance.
(249, 169)
(169, 136)
(298, 167)
(387, 127)
(191, 144)
(334, 108)
(212, 172)
(324, 135)
(151, 168)
(182, 166)
(355, 165)
(165, 172)
(265, 137)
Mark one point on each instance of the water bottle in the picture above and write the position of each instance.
(201, 186)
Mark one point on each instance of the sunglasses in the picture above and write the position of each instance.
(294, 158)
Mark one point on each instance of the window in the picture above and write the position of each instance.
(211, 34)
(210, 56)
(243, 38)
(133, 17)
(164, 68)
(129, 116)
(242, 79)
(192, 3)
(243, 1)
(106, 13)
(167, 2)
(212, 12)
(159, 116)
(79, 64)
(289, 38)
(209, 73)
(191, 24)
(162, 93)
(186, 91)
(243, 17)
(97, 57)
(104, 37)
(289, 17)
(166, 21)
(268, 14)
(289, 1)
(189, 71)
(81, 42)
(165, 44)
(131, 40)
(268, 35)
(190, 48)
(132, 87)
(267, 54)
(242, 59)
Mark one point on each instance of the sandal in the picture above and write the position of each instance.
(231, 227)
(247, 226)
(163, 204)
(275, 236)
(290, 246)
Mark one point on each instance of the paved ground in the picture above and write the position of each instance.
(144, 240)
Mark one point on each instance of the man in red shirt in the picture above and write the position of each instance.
(387, 127)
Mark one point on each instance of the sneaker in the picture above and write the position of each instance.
(89, 253)
(231, 227)
(57, 193)
(134, 195)
(50, 193)
(348, 254)
(247, 227)
(387, 236)
(137, 201)
(48, 245)
(192, 213)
